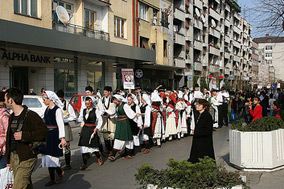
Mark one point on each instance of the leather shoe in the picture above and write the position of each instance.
(66, 167)
(49, 183)
(83, 167)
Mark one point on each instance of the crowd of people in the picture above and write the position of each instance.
(120, 124)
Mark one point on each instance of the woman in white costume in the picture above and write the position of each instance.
(53, 118)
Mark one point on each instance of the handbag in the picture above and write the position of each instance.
(136, 140)
(6, 178)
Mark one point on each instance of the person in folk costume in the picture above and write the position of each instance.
(54, 120)
(164, 105)
(108, 127)
(157, 122)
(123, 134)
(194, 97)
(171, 129)
(138, 95)
(182, 124)
(187, 110)
(68, 115)
(135, 126)
(146, 127)
(89, 139)
(177, 113)
(99, 106)
(214, 103)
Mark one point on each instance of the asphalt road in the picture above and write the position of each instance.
(120, 174)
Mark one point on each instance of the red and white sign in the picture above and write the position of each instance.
(128, 78)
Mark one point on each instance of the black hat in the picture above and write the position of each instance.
(2, 96)
(196, 85)
(168, 88)
(148, 90)
(108, 88)
(89, 88)
(60, 93)
(137, 88)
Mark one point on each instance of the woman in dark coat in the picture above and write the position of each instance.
(202, 143)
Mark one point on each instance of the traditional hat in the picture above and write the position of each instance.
(89, 88)
(119, 97)
(148, 90)
(108, 88)
(147, 99)
(155, 97)
(180, 94)
(60, 93)
(196, 85)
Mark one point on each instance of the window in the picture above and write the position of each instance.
(268, 54)
(143, 11)
(67, 6)
(32, 103)
(144, 43)
(119, 27)
(90, 19)
(268, 47)
(269, 62)
(26, 7)
(165, 48)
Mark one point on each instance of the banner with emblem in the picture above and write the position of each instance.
(128, 78)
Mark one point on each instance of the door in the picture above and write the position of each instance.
(19, 78)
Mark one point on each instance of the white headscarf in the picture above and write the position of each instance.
(52, 96)
(155, 97)
(119, 97)
(180, 94)
(147, 99)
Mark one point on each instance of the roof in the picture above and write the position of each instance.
(273, 39)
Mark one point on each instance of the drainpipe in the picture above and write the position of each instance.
(136, 19)
(133, 22)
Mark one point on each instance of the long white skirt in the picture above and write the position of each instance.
(85, 149)
(120, 144)
(159, 127)
(49, 161)
(182, 123)
(171, 125)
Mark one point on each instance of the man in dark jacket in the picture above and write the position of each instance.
(25, 127)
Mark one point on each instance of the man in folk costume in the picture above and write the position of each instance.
(54, 120)
(188, 110)
(68, 115)
(171, 129)
(89, 139)
(181, 107)
(157, 122)
(137, 93)
(123, 134)
(146, 127)
(194, 97)
(215, 103)
(108, 127)
(135, 126)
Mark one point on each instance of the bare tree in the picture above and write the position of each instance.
(269, 16)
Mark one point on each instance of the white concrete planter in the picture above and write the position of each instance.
(257, 151)
(151, 186)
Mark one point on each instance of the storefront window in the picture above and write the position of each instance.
(95, 79)
(65, 76)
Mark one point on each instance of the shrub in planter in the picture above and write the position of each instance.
(183, 174)
(267, 123)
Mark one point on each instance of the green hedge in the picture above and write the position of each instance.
(267, 123)
(183, 174)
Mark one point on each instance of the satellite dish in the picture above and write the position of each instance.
(203, 19)
(197, 12)
(213, 23)
(62, 14)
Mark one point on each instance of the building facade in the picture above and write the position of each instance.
(273, 52)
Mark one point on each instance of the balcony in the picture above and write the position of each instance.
(237, 29)
(214, 69)
(179, 39)
(236, 72)
(227, 55)
(213, 50)
(179, 14)
(197, 45)
(227, 23)
(197, 3)
(197, 66)
(237, 58)
(227, 71)
(79, 30)
(198, 24)
(179, 62)
(214, 32)
(236, 44)
(214, 14)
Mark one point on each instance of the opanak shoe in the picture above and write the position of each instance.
(59, 178)
(49, 183)
(83, 167)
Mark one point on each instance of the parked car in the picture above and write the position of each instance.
(34, 103)
(76, 102)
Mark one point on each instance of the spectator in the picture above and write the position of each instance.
(256, 113)
(25, 127)
(271, 100)
(4, 117)
(42, 91)
(276, 109)
(32, 92)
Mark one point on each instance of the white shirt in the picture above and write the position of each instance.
(147, 117)
(221, 95)
(72, 115)
(98, 115)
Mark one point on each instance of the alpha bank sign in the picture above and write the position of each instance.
(24, 57)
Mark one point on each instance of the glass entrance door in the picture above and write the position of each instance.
(19, 78)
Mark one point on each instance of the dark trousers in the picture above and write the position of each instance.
(223, 114)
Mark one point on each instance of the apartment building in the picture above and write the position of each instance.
(255, 63)
(218, 43)
(37, 50)
(273, 52)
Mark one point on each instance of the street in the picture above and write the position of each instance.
(120, 174)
